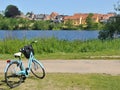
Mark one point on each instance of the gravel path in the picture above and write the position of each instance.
(77, 66)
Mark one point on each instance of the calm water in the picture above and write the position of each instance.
(61, 34)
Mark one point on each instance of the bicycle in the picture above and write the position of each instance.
(16, 73)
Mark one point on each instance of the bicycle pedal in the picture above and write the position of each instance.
(23, 77)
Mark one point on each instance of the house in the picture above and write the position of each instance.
(58, 19)
(76, 19)
(53, 15)
(33, 16)
(105, 17)
(80, 18)
(30, 15)
(41, 17)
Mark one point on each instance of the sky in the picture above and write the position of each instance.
(64, 7)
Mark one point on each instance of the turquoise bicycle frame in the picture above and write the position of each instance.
(24, 71)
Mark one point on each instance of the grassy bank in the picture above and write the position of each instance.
(52, 48)
(58, 81)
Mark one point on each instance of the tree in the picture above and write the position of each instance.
(89, 21)
(41, 25)
(117, 7)
(69, 25)
(91, 24)
(11, 11)
(112, 27)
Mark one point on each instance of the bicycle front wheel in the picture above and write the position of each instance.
(11, 77)
(37, 70)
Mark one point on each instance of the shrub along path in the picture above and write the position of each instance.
(77, 66)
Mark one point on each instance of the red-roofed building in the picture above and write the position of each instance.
(53, 15)
(80, 18)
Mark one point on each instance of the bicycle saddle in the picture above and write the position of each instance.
(18, 54)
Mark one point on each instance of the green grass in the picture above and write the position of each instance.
(66, 56)
(67, 81)
(52, 48)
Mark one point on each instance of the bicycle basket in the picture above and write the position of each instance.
(26, 50)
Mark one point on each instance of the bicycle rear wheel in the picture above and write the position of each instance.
(37, 69)
(11, 78)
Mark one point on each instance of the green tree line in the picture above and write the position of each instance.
(10, 21)
(25, 24)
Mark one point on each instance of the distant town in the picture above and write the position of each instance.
(77, 18)
(13, 19)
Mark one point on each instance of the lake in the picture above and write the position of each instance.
(60, 34)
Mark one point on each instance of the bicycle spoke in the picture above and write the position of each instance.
(11, 77)
(37, 70)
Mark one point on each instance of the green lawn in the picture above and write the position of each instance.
(65, 81)
(66, 56)
(52, 48)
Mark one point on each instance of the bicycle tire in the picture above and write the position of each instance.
(37, 70)
(11, 78)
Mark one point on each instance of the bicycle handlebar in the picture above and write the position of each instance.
(22, 49)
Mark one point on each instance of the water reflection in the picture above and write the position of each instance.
(61, 34)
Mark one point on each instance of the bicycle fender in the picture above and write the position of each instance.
(11, 61)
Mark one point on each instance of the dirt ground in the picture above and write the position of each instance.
(77, 66)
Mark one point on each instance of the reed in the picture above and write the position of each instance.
(54, 45)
